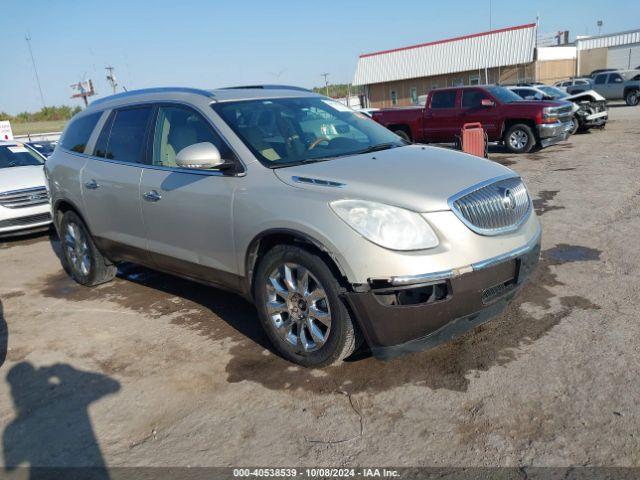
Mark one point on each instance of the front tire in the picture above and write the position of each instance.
(299, 305)
(575, 125)
(632, 98)
(81, 258)
(519, 138)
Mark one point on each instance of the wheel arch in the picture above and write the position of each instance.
(265, 241)
(510, 122)
(63, 205)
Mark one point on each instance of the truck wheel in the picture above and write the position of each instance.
(632, 98)
(298, 302)
(402, 134)
(81, 258)
(519, 138)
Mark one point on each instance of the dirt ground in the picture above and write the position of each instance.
(154, 370)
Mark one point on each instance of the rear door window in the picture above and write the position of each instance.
(77, 134)
(444, 99)
(600, 79)
(123, 136)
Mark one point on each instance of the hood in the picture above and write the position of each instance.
(596, 97)
(17, 178)
(415, 177)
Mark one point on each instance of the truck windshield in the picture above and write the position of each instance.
(504, 95)
(18, 156)
(286, 131)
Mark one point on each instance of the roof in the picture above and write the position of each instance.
(216, 95)
(610, 40)
(502, 47)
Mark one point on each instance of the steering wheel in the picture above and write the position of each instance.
(317, 142)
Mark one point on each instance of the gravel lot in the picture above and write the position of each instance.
(154, 370)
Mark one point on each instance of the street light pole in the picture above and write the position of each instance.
(326, 83)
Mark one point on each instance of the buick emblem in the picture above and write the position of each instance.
(508, 199)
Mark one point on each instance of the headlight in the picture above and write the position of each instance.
(390, 227)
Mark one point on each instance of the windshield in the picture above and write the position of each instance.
(553, 92)
(18, 156)
(504, 95)
(287, 131)
(45, 148)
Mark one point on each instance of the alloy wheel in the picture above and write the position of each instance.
(518, 139)
(298, 307)
(77, 249)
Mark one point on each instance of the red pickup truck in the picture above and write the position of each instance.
(520, 124)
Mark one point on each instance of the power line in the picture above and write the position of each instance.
(27, 37)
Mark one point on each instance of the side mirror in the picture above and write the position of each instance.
(487, 102)
(200, 156)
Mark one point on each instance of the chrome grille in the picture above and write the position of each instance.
(27, 197)
(495, 208)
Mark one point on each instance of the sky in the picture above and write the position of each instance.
(208, 44)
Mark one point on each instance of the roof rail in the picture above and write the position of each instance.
(129, 93)
(267, 87)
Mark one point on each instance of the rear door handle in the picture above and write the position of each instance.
(92, 185)
(152, 196)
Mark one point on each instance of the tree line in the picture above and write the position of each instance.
(63, 112)
(338, 90)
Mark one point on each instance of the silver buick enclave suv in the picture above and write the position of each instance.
(338, 230)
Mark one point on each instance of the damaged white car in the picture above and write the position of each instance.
(589, 107)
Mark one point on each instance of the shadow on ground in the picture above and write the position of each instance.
(218, 315)
(52, 427)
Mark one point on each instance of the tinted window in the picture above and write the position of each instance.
(503, 94)
(582, 82)
(178, 128)
(600, 79)
(615, 78)
(100, 149)
(77, 134)
(472, 98)
(444, 99)
(127, 129)
(18, 156)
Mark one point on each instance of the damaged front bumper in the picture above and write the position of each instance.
(411, 314)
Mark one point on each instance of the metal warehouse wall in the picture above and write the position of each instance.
(625, 57)
(379, 94)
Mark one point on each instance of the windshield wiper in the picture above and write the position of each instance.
(377, 148)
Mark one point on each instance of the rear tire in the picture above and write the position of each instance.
(519, 138)
(305, 320)
(81, 258)
(632, 97)
(402, 134)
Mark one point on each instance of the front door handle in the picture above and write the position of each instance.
(92, 185)
(152, 196)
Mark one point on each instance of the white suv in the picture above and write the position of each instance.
(336, 228)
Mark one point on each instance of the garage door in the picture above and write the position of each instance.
(625, 57)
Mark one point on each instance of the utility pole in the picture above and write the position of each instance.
(111, 78)
(326, 83)
(27, 37)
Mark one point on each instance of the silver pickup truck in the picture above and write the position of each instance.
(618, 85)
